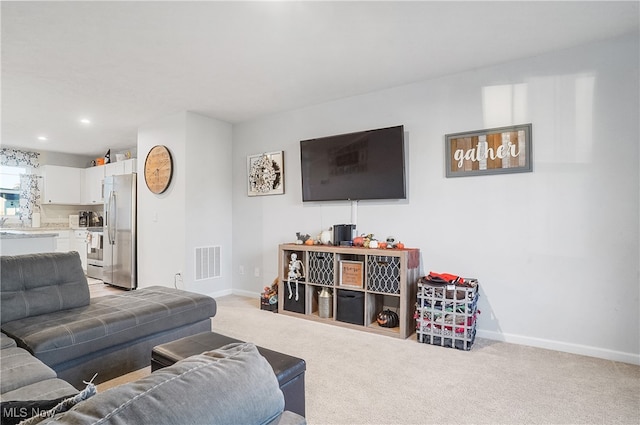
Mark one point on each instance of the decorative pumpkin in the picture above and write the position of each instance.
(358, 241)
(388, 319)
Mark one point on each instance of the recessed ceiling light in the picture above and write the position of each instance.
(42, 138)
(85, 121)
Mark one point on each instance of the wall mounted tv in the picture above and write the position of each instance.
(355, 166)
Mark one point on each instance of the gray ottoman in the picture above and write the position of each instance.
(288, 369)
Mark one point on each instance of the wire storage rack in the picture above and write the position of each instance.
(446, 314)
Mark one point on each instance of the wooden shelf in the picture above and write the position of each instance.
(389, 281)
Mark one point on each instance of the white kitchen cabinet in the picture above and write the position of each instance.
(63, 243)
(61, 185)
(93, 185)
(78, 242)
(121, 167)
(114, 169)
(130, 166)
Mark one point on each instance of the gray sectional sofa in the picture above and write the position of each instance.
(54, 337)
(23, 377)
(230, 385)
(46, 308)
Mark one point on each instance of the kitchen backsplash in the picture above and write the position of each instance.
(58, 215)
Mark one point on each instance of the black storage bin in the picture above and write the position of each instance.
(350, 307)
(291, 304)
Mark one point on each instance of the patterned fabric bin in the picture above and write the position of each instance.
(321, 270)
(383, 274)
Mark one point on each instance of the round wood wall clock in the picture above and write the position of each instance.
(158, 169)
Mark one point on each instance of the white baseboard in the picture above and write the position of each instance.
(244, 293)
(566, 347)
(220, 293)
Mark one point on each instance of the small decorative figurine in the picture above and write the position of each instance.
(325, 237)
(296, 271)
(301, 238)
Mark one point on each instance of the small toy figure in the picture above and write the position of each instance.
(301, 238)
(391, 242)
(296, 271)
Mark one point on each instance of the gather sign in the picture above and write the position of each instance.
(493, 151)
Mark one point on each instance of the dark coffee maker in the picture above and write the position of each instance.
(83, 218)
(343, 234)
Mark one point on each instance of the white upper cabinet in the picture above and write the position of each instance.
(93, 185)
(130, 166)
(80, 186)
(114, 169)
(62, 185)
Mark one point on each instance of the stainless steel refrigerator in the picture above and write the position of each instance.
(119, 243)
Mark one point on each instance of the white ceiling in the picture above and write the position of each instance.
(123, 64)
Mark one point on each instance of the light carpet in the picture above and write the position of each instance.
(356, 377)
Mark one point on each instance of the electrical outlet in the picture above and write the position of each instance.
(256, 272)
(241, 270)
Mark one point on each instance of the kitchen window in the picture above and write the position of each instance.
(10, 190)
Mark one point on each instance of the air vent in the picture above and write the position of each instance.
(207, 262)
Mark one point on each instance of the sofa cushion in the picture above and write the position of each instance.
(107, 322)
(14, 412)
(36, 284)
(19, 368)
(231, 385)
(62, 406)
(6, 342)
(41, 390)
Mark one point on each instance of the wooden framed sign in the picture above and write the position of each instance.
(351, 273)
(494, 151)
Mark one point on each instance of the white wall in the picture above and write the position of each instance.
(208, 204)
(555, 250)
(161, 218)
(195, 211)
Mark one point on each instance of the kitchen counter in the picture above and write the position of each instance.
(14, 242)
(18, 234)
(39, 229)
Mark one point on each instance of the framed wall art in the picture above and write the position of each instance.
(265, 174)
(493, 151)
(351, 273)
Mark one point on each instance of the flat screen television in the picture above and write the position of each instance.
(356, 166)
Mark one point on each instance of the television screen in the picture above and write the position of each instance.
(355, 166)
